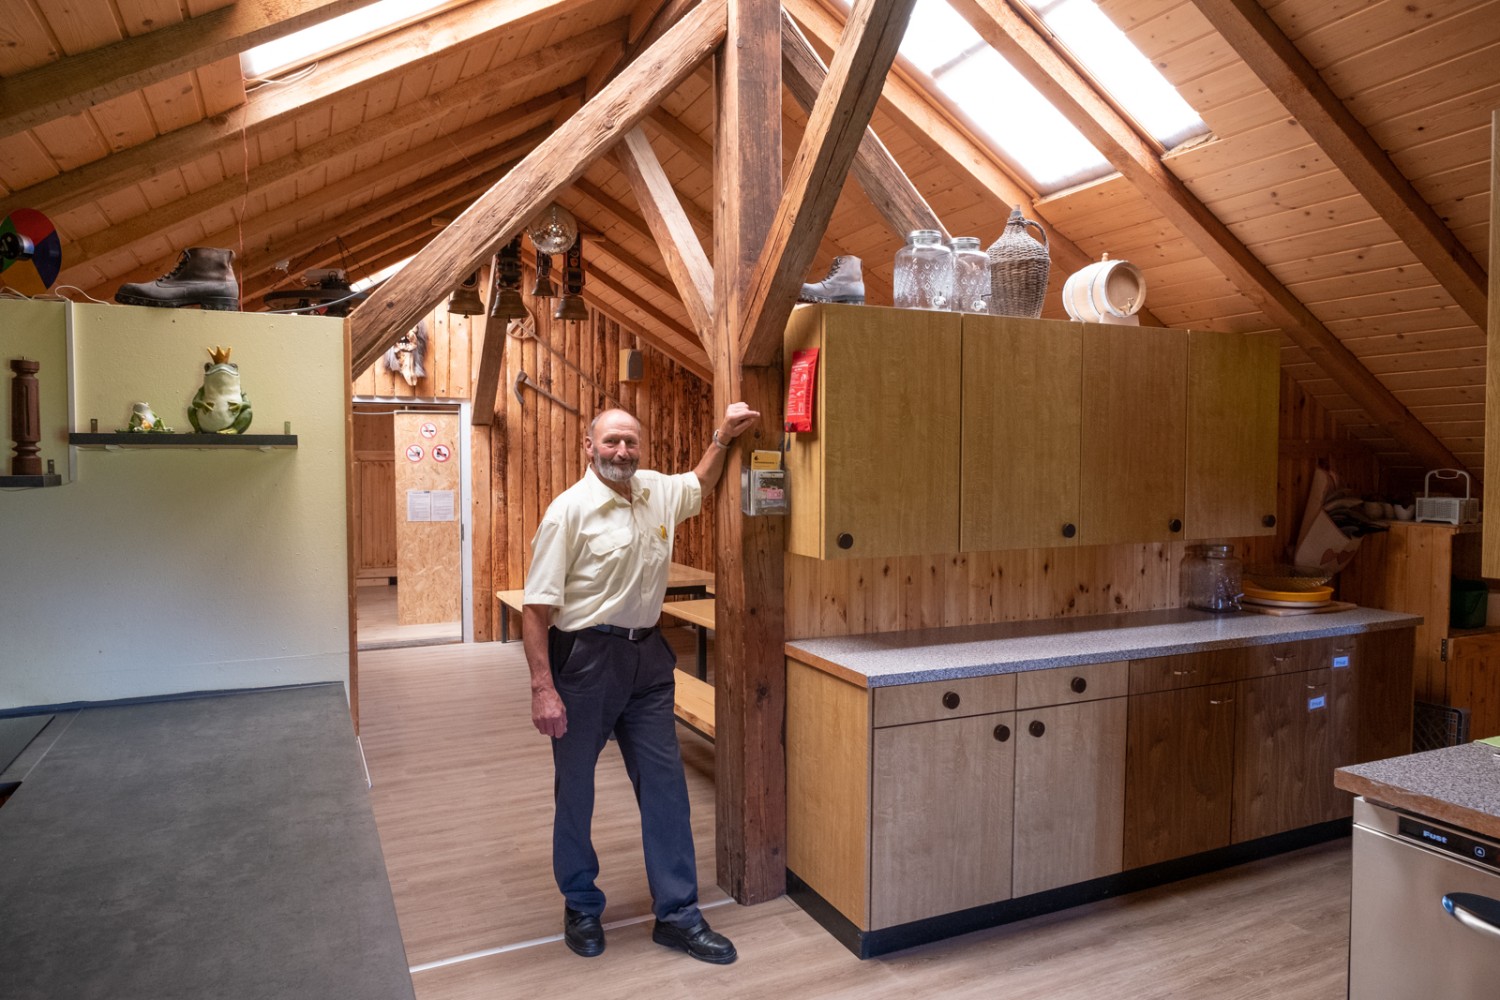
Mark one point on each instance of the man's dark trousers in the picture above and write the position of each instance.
(611, 684)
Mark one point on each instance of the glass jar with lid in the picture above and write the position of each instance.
(924, 272)
(1210, 578)
(971, 276)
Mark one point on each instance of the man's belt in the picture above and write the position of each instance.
(633, 634)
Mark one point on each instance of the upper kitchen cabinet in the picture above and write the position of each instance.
(877, 475)
(1134, 399)
(1232, 389)
(1022, 408)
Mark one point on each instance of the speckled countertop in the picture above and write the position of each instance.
(888, 658)
(1458, 785)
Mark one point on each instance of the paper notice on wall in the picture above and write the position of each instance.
(430, 505)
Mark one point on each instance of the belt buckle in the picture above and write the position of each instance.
(637, 634)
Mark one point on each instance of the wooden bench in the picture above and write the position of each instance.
(510, 600)
(695, 704)
(698, 613)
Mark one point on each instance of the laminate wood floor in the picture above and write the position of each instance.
(378, 628)
(462, 798)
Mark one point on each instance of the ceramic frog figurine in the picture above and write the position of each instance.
(220, 407)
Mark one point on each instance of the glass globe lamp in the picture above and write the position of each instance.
(553, 229)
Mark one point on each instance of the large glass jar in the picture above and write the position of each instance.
(1210, 578)
(924, 272)
(971, 276)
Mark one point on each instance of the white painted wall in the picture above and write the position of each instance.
(158, 572)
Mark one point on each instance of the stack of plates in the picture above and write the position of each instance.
(1312, 597)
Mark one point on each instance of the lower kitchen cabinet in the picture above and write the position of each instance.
(940, 823)
(1179, 779)
(1285, 753)
(1069, 794)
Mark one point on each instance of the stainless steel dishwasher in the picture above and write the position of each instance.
(1425, 918)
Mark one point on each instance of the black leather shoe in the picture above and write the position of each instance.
(698, 941)
(583, 933)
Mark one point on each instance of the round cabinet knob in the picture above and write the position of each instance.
(950, 699)
(1269, 520)
(1069, 530)
(1079, 685)
(1175, 525)
(1036, 728)
(845, 540)
(1002, 733)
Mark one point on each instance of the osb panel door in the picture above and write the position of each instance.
(428, 530)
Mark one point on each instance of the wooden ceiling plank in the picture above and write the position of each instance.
(555, 164)
(1299, 86)
(368, 66)
(683, 255)
(232, 190)
(1138, 159)
(836, 126)
(890, 191)
(78, 82)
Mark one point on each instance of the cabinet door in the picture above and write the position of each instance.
(941, 817)
(1021, 413)
(1233, 386)
(1179, 773)
(878, 474)
(1070, 794)
(1285, 753)
(1134, 401)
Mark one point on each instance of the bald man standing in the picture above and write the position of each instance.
(599, 666)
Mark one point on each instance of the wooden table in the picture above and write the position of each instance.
(701, 614)
(682, 581)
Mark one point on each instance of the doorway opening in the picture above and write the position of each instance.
(411, 506)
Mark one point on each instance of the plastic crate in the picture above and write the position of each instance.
(1438, 726)
(1447, 510)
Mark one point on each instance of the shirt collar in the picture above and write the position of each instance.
(601, 494)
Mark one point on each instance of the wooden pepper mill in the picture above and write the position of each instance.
(25, 418)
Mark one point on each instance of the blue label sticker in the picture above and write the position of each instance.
(1342, 660)
(1321, 701)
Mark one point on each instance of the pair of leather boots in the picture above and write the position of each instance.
(204, 277)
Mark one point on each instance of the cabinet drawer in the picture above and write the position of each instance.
(1295, 657)
(1065, 685)
(1183, 670)
(907, 703)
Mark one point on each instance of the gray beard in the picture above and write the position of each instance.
(611, 472)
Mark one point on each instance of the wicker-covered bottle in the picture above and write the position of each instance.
(1018, 269)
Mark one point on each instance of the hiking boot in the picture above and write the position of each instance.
(203, 277)
(845, 283)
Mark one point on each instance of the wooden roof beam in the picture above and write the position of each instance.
(1137, 159)
(76, 83)
(648, 21)
(892, 193)
(555, 164)
(665, 333)
(836, 126)
(384, 60)
(686, 262)
(1294, 80)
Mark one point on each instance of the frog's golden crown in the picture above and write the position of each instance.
(219, 354)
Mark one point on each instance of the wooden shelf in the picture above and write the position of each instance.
(30, 482)
(117, 441)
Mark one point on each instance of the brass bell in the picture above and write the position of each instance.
(506, 302)
(543, 288)
(571, 305)
(465, 300)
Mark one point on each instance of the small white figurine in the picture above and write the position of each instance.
(143, 420)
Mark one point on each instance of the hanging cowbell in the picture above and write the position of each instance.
(465, 300)
(571, 306)
(506, 301)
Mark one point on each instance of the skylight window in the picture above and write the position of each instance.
(1118, 67)
(341, 32)
(1007, 112)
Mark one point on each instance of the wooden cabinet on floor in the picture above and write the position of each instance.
(1284, 753)
(1070, 790)
(940, 823)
